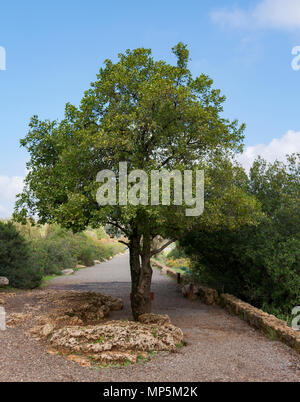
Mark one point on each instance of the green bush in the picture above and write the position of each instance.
(177, 252)
(62, 249)
(27, 253)
(83, 249)
(107, 250)
(52, 255)
(16, 261)
(261, 265)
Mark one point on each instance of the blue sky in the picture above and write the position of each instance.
(54, 50)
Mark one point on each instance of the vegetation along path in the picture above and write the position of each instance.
(219, 347)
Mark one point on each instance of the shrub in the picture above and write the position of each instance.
(27, 253)
(83, 249)
(178, 263)
(177, 252)
(261, 265)
(16, 259)
(109, 249)
(52, 255)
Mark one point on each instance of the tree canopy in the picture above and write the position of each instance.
(154, 116)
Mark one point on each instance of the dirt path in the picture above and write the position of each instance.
(219, 347)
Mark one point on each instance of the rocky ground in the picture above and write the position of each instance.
(219, 347)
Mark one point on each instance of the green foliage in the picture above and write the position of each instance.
(29, 253)
(52, 255)
(154, 116)
(149, 113)
(177, 252)
(101, 234)
(16, 260)
(259, 264)
(182, 263)
(63, 249)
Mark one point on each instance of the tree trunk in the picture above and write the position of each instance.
(141, 276)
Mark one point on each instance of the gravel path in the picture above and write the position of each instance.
(219, 347)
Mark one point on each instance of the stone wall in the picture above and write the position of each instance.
(166, 270)
(271, 326)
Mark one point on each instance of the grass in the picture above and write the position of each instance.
(96, 366)
(9, 289)
(155, 333)
(101, 340)
(180, 345)
(272, 335)
(46, 279)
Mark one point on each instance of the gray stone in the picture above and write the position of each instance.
(67, 271)
(3, 281)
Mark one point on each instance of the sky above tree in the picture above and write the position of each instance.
(54, 50)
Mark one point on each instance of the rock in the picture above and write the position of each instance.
(47, 329)
(190, 291)
(114, 303)
(159, 319)
(297, 344)
(67, 272)
(271, 326)
(117, 342)
(207, 295)
(73, 326)
(16, 319)
(80, 266)
(185, 290)
(3, 281)
(83, 361)
(97, 262)
(71, 308)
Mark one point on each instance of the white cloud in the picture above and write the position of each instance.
(9, 188)
(278, 13)
(283, 14)
(235, 19)
(278, 148)
(3, 210)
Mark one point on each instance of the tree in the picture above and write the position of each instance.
(150, 114)
(259, 264)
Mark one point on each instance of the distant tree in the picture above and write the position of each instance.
(152, 115)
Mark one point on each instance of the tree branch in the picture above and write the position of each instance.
(123, 242)
(159, 250)
(119, 227)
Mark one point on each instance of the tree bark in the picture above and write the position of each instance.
(141, 275)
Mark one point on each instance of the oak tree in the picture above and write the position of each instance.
(153, 116)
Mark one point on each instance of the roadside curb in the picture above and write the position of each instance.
(168, 271)
(270, 325)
